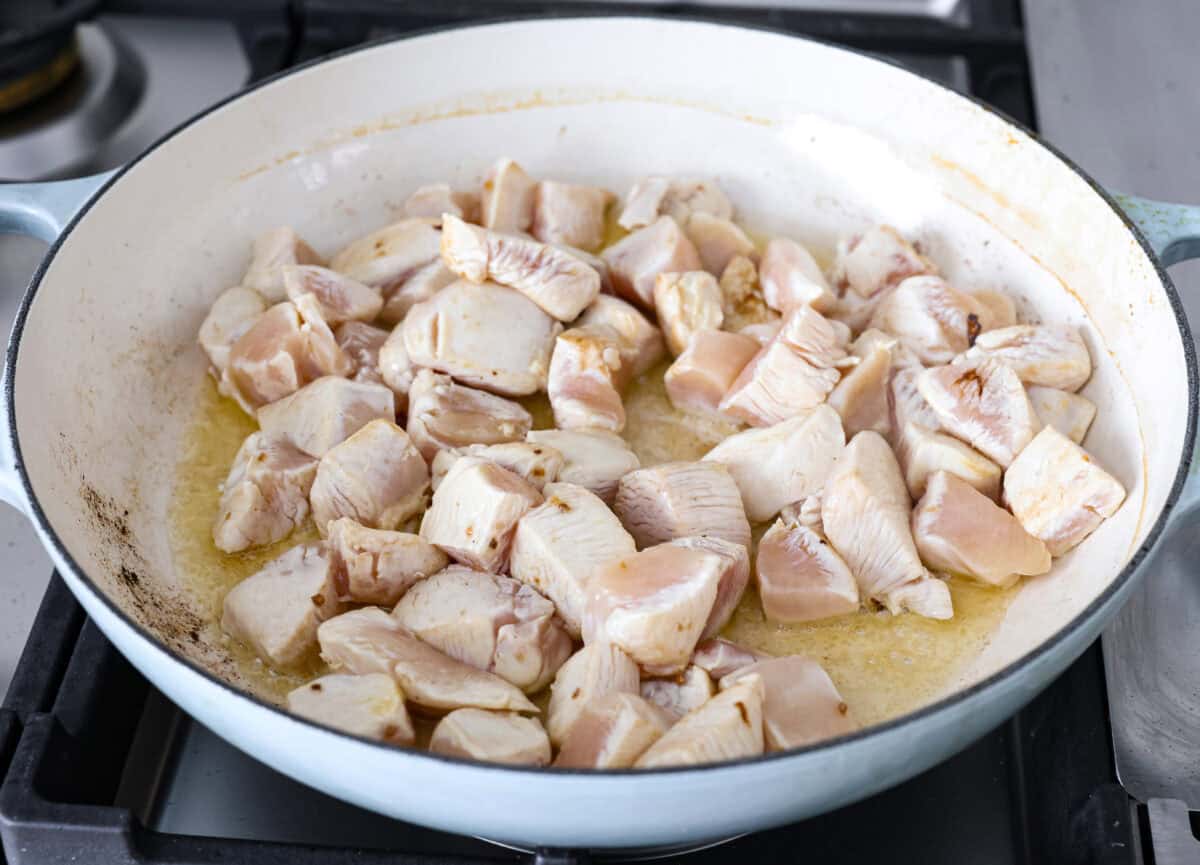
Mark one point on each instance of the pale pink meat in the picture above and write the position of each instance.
(387, 258)
(791, 277)
(422, 284)
(537, 464)
(682, 499)
(801, 704)
(571, 214)
(495, 737)
(801, 577)
(583, 384)
(433, 199)
(685, 304)
(593, 459)
(590, 674)
(703, 373)
(442, 414)
(507, 199)
(878, 260)
(677, 695)
(931, 318)
(339, 298)
(361, 342)
(232, 314)
(272, 251)
(635, 261)
(678, 198)
(371, 706)
(641, 341)
(265, 495)
(611, 733)
(728, 727)
(718, 241)
(377, 566)
(1039, 354)
(326, 412)
(735, 575)
(719, 657)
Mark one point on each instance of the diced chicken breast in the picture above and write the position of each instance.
(865, 513)
(924, 452)
(442, 414)
(486, 336)
(982, 401)
(277, 610)
(906, 405)
(475, 512)
(371, 706)
(801, 577)
(594, 459)
(1001, 311)
(877, 260)
(560, 283)
(361, 342)
(265, 495)
(728, 727)
(508, 195)
(679, 500)
(232, 314)
(590, 674)
(377, 566)
(679, 199)
(611, 733)
(396, 368)
(641, 341)
(537, 464)
(635, 261)
(1069, 413)
(703, 373)
(678, 695)
(326, 412)
(272, 251)
(717, 241)
(433, 199)
(742, 299)
(386, 258)
(861, 397)
(339, 298)
(931, 318)
(494, 737)
(1039, 354)
(686, 303)
(735, 576)
(571, 214)
(371, 641)
(1057, 491)
(791, 277)
(719, 657)
(376, 476)
(801, 704)
(583, 383)
(961, 531)
(491, 622)
(424, 283)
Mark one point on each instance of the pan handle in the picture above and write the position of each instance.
(1173, 230)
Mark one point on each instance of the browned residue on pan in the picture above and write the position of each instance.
(1029, 217)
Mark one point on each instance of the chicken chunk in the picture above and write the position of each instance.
(961, 531)
(1001, 311)
(906, 405)
(486, 336)
(277, 610)
(433, 199)
(232, 314)
(861, 397)
(338, 297)
(641, 341)
(508, 197)
(801, 704)
(678, 695)
(1058, 493)
(475, 512)
(537, 464)
(495, 737)
(1069, 413)
(424, 282)
(583, 382)
(865, 513)
(370, 706)
(386, 258)
(878, 260)
(686, 303)
(924, 452)
(679, 198)
(361, 342)
(801, 578)
(703, 373)
(636, 261)
(982, 401)
(777, 465)
(377, 566)
(735, 575)
(594, 459)
(591, 673)
(791, 277)
(717, 241)
(728, 727)
(742, 300)
(931, 318)
(442, 414)
(1039, 354)
(719, 657)
(679, 500)
(560, 283)
(326, 412)
(376, 476)
(265, 495)
(491, 622)
(570, 214)
(611, 733)
(272, 251)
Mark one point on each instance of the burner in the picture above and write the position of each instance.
(37, 48)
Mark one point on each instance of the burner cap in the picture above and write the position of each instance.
(37, 47)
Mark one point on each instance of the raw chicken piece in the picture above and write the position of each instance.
(584, 371)
(492, 623)
(396, 368)
(641, 341)
(371, 641)
(595, 262)
(865, 510)
(424, 283)
(232, 314)
(339, 298)
(735, 575)
(636, 261)
(562, 542)
(537, 464)
(701, 376)
(717, 241)
(982, 401)
(728, 727)
(801, 577)
(273, 250)
(486, 336)
(861, 397)
(611, 733)
(877, 260)
(741, 296)
(763, 332)
(961, 531)
(386, 258)
(376, 476)
(906, 405)
(679, 500)
(495, 737)
(686, 303)
(277, 610)
(1069, 413)
(1040, 354)
(591, 673)
(719, 657)
(680, 694)
(1001, 312)
(361, 342)
(570, 214)
(475, 511)
(265, 495)
(370, 706)
(924, 452)
(791, 277)
(433, 199)
(594, 459)
(1057, 491)
(377, 566)
(507, 200)
(801, 704)
(557, 281)
(679, 199)
(326, 412)
(930, 318)
(442, 414)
